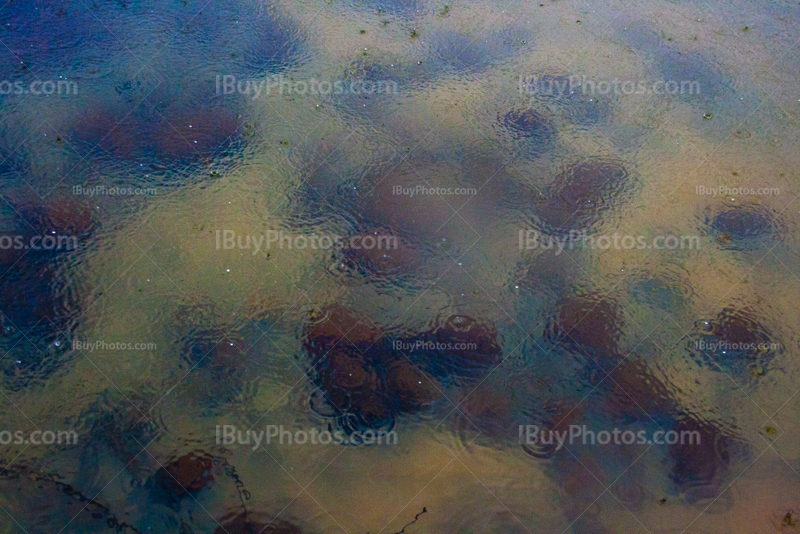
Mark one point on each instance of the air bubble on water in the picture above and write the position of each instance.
(57, 343)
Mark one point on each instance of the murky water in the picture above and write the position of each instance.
(403, 266)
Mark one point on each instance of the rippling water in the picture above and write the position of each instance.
(396, 267)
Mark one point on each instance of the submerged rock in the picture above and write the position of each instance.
(582, 195)
(363, 378)
(189, 473)
(40, 297)
(390, 261)
(462, 53)
(637, 394)
(400, 199)
(528, 123)
(701, 457)
(736, 341)
(159, 135)
(591, 324)
(369, 379)
(743, 226)
(198, 135)
(460, 348)
(531, 130)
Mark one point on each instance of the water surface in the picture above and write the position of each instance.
(464, 229)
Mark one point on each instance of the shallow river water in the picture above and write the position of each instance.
(412, 266)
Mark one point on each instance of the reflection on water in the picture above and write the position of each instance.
(242, 240)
